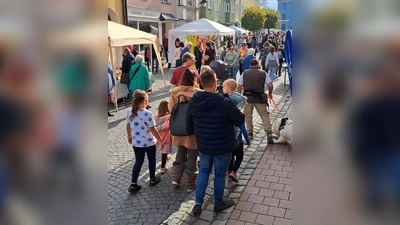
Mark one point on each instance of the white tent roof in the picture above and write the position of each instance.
(202, 27)
(121, 35)
(238, 30)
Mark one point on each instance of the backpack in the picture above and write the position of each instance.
(178, 120)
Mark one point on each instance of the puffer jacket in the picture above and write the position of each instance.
(211, 116)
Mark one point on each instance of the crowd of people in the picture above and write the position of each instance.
(216, 122)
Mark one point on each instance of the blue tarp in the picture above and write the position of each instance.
(288, 54)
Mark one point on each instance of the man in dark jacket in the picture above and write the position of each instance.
(211, 116)
(126, 68)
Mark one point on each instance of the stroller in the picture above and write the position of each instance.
(222, 72)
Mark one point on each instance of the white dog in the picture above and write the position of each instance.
(282, 130)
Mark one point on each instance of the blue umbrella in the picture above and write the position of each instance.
(288, 54)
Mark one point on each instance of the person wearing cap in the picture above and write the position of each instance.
(243, 52)
(210, 54)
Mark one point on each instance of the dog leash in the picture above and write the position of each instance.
(272, 100)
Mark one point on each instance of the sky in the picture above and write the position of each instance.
(273, 4)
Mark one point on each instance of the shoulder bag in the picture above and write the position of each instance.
(272, 63)
(125, 79)
(178, 122)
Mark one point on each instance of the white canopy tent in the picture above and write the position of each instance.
(198, 27)
(120, 35)
(202, 27)
(238, 30)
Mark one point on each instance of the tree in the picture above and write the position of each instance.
(272, 16)
(253, 18)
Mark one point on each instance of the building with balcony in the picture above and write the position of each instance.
(226, 12)
(285, 10)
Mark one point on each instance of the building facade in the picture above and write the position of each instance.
(285, 10)
(154, 16)
(226, 12)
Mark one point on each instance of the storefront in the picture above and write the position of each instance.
(145, 20)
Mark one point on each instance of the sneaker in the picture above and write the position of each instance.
(233, 176)
(134, 188)
(176, 184)
(196, 211)
(224, 205)
(269, 137)
(163, 170)
(155, 181)
(250, 135)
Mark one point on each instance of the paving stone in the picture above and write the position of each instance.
(282, 221)
(248, 217)
(219, 222)
(274, 211)
(265, 220)
(207, 215)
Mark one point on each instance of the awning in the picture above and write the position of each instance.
(167, 16)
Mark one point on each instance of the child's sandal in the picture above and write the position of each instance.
(134, 188)
(155, 181)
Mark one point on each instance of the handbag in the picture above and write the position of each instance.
(178, 121)
(124, 78)
(272, 63)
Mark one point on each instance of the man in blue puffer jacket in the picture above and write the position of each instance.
(211, 116)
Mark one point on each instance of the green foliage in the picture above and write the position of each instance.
(272, 16)
(253, 18)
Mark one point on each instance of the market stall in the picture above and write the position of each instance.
(120, 35)
(201, 29)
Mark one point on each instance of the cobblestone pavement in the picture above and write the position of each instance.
(164, 204)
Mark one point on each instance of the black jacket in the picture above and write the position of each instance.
(127, 63)
(211, 116)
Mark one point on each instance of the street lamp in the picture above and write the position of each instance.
(203, 3)
(203, 8)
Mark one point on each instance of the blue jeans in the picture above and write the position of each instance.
(154, 62)
(272, 73)
(139, 156)
(130, 95)
(221, 165)
(234, 71)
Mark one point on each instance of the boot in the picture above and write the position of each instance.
(178, 172)
(191, 180)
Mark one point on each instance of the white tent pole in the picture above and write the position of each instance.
(160, 64)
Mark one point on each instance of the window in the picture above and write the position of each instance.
(188, 2)
(237, 8)
(284, 6)
(283, 26)
(242, 8)
(217, 7)
(165, 1)
(209, 4)
(226, 7)
(284, 16)
(232, 7)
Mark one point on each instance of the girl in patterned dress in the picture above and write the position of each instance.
(142, 134)
(162, 125)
